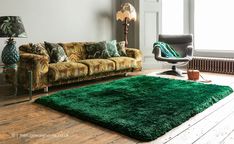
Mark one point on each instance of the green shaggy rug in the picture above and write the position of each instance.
(141, 107)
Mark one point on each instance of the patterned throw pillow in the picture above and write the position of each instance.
(97, 50)
(112, 48)
(56, 52)
(121, 48)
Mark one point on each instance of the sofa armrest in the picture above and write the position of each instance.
(39, 65)
(134, 53)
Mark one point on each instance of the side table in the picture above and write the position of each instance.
(10, 70)
(10, 75)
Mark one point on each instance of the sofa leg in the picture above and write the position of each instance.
(136, 69)
(46, 89)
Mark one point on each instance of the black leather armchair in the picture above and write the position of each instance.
(183, 44)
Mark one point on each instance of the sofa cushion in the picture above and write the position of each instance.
(121, 48)
(75, 51)
(97, 50)
(97, 66)
(66, 70)
(112, 48)
(56, 52)
(122, 63)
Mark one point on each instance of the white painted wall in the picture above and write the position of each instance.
(62, 20)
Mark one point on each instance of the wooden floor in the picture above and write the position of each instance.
(32, 123)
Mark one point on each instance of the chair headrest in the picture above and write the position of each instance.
(176, 39)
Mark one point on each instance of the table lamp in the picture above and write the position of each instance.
(126, 14)
(11, 27)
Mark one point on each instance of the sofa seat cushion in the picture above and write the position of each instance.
(123, 63)
(97, 66)
(66, 70)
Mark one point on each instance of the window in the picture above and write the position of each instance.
(213, 25)
(172, 16)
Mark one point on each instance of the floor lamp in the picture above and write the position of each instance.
(126, 14)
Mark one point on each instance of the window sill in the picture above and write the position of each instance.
(214, 53)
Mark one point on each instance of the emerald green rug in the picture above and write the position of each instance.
(141, 107)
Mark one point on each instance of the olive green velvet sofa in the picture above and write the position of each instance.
(77, 69)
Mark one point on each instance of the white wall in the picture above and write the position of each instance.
(62, 20)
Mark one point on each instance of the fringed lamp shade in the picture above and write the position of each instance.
(127, 11)
(11, 27)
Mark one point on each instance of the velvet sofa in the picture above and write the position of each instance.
(78, 68)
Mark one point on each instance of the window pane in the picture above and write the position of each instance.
(213, 24)
(172, 16)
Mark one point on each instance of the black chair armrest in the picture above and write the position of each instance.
(157, 52)
(158, 56)
(189, 52)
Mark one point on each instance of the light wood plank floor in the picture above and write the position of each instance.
(32, 123)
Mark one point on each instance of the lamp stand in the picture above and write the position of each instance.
(9, 54)
(126, 25)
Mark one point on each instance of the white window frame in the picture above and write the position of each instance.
(189, 28)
